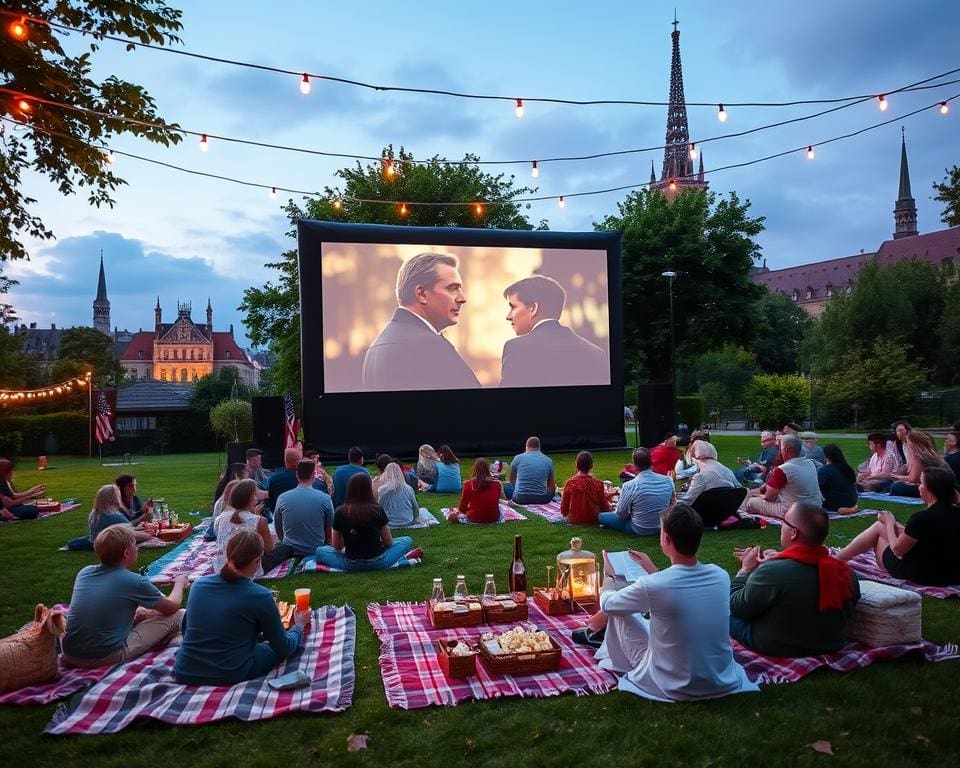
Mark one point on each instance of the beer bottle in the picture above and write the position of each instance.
(517, 576)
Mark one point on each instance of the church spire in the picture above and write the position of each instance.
(905, 210)
(653, 175)
(101, 304)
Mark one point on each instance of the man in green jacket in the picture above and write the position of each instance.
(795, 602)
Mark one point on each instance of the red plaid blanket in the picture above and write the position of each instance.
(45, 515)
(68, 682)
(766, 520)
(194, 558)
(507, 515)
(412, 677)
(550, 512)
(769, 669)
(865, 566)
(144, 687)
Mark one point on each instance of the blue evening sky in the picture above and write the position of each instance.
(188, 237)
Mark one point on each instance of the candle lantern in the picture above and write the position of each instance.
(577, 585)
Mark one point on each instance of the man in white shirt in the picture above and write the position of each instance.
(794, 480)
(876, 473)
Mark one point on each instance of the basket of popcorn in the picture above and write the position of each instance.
(456, 658)
(520, 651)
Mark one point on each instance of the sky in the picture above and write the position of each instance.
(187, 238)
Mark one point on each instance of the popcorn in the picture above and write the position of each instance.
(520, 640)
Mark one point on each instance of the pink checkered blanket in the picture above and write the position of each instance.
(194, 558)
(44, 515)
(832, 515)
(507, 515)
(68, 682)
(549, 512)
(769, 669)
(865, 566)
(145, 687)
(412, 677)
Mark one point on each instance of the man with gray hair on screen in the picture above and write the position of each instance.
(410, 352)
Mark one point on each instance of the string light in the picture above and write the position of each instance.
(305, 84)
(203, 143)
(478, 209)
(721, 113)
(693, 151)
(673, 185)
(944, 108)
(389, 169)
(518, 110)
(810, 153)
(54, 389)
(273, 193)
(109, 157)
(337, 204)
(535, 170)
(403, 209)
(25, 107)
(18, 29)
(561, 203)
(882, 103)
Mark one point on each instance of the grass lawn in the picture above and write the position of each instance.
(901, 713)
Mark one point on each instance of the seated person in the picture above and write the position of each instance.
(361, 539)
(876, 473)
(951, 452)
(922, 455)
(344, 473)
(281, 481)
(448, 473)
(324, 480)
(397, 498)
(132, 508)
(240, 517)
(794, 480)
(107, 511)
(306, 515)
(480, 500)
(682, 652)
(13, 505)
(427, 460)
(531, 476)
(232, 631)
(796, 602)
(686, 467)
(754, 473)
(712, 473)
(583, 497)
(899, 447)
(234, 471)
(810, 449)
(116, 614)
(383, 459)
(837, 482)
(642, 500)
(925, 551)
(664, 457)
(254, 467)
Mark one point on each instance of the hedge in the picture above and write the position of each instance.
(69, 430)
(691, 410)
(11, 444)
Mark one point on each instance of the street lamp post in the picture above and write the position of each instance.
(673, 353)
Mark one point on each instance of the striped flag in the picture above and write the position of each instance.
(292, 430)
(103, 424)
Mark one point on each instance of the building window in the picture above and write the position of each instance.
(140, 354)
(227, 354)
(166, 354)
(829, 290)
(163, 374)
(809, 293)
(192, 353)
(194, 374)
(795, 296)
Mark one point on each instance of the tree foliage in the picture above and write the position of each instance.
(13, 370)
(948, 193)
(784, 326)
(772, 399)
(90, 349)
(272, 312)
(233, 420)
(210, 390)
(721, 376)
(710, 245)
(62, 143)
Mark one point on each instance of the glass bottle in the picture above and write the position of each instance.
(437, 594)
(517, 576)
(460, 591)
(489, 589)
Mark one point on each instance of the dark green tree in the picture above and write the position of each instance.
(64, 144)
(709, 243)
(273, 310)
(213, 389)
(721, 376)
(89, 349)
(13, 370)
(948, 193)
(784, 327)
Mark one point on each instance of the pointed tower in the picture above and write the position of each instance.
(677, 172)
(653, 175)
(101, 304)
(905, 211)
(156, 314)
(209, 315)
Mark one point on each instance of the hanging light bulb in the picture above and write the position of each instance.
(944, 107)
(561, 202)
(693, 151)
(518, 110)
(305, 84)
(721, 113)
(673, 185)
(18, 29)
(388, 169)
(810, 153)
(882, 103)
(273, 193)
(24, 106)
(109, 157)
(403, 209)
(534, 170)
(337, 204)
(203, 143)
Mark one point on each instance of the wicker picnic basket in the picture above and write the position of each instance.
(455, 666)
(448, 620)
(494, 611)
(532, 663)
(29, 657)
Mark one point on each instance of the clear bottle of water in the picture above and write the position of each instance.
(437, 594)
(460, 591)
(489, 588)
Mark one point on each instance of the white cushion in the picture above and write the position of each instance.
(885, 615)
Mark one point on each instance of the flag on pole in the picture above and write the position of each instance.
(103, 424)
(292, 430)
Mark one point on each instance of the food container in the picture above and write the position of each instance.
(175, 534)
(529, 663)
(505, 609)
(455, 666)
(444, 614)
(47, 505)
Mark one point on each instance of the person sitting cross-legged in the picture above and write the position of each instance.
(239, 515)
(876, 473)
(116, 614)
(925, 550)
(923, 455)
(754, 473)
(480, 499)
(837, 482)
(306, 515)
(796, 602)
(794, 480)
(232, 631)
(345, 472)
(682, 652)
(108, 511)
(398, 499)
(642, 500)
(584, 497)
(664, 457)
(712, 473)
(532, 480)
(13, 505)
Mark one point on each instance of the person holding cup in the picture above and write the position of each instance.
(228, 615)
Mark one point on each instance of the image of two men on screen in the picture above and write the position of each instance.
(434, 300)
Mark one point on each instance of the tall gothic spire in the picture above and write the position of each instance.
(905, 210)
(101, 304)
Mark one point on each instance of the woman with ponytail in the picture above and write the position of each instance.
(228, 615)
(240, 516)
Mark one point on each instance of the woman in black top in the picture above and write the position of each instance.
(130, 502)
(361, 537)
(838, 482)
(925, 550)
(13, 505)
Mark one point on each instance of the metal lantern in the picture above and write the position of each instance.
(577, 574)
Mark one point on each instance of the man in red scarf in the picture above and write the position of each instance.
(795, 602)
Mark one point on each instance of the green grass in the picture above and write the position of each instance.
(901, 713)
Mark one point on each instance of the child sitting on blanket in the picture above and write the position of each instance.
(227, 616)
(115, 614)
(480, 499)
(240, 516)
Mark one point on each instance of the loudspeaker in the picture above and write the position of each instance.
(269, 429)
(654, 412)
(237, 452)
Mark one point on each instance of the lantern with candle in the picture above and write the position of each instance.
(576, 587)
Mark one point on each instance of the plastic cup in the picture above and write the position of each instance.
(302, 596)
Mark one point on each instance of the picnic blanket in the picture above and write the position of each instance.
(412, 677)
(424, 520)
(310, 565)
(144, 687)
(865, 566)
(891, 499)
(68, 682)
(64, 507)
(769, 669)
(549, 511)
(507, 515)
(767, 520)
(194, 557)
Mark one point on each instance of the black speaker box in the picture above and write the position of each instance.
(269, 429)
(237, 452)
(654, 412)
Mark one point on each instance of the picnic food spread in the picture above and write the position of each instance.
(517, 640)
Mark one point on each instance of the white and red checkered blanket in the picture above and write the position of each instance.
(507, 515)
(45, 515)
(865, 566)
(549, 511)
(194, 557)
(767, 520)
(769, 669)
(68, 682)
(145, 687)
(412, 677)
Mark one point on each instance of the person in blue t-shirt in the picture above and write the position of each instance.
(232, 631)
(304, 516)
(448, 473)
(107, 511)
(343, 474)
(115, 614)
(531, 476)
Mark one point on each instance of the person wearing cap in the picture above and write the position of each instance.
(794, 480)
(255, 470)
(810, 449)
(755, 472)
